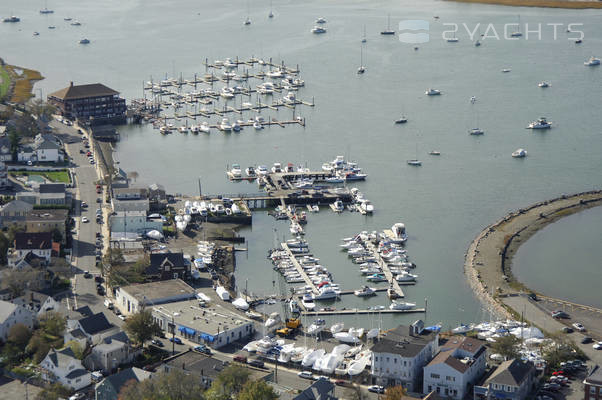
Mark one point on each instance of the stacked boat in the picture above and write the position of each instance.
(343, 170)
(362, 204)
(205, 253)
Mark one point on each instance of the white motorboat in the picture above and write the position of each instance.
(273, 320)
(194, 129)
(258, 126)
(250, 172)
(401, 120)
(290, 98)
(336, 328)
(463, 328)
(326, 293)
(541, 123)
(222, 293)
(277, 168)
(321, 20)
(76, 23)
(365, 291)
(592, 62)
(247, 21)
(367, 206)
(519, 153)
(432, 92)
(318, 29)
(345, 337)
(235, 171)
(308, 302)
(316, 327)
(506, 70)
(225, 125)
(251, 347)
(406, 277)
(204, 127)
(402, 305)
(476, 131)
(415, 163)
(337, 206)
(262, 170)
(241, 304)
(543, 84)
(399, 233)
(356, 367)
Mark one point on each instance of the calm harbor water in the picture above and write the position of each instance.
(557, 270)
(444, 203)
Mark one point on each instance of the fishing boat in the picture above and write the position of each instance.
(316, 327)
(519, 153)
(388, 31)
(593, 61)
(543, 84)
(541, 123)
(365, 291)
(432, 92)
(308, 302)
(318, 29)
(402, 305)
(401, 120)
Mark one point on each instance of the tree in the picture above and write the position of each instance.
(174, 385)
(4, 246)
(358, 393)
(77, 349)
(19, 335)
(141, 327)
(16, 281)
(42, 110)
(57, 236)
(230, 381)
(507, 346)
(55, 391)
(561, 349)
(394, 393)
(52, 323)
(257, 390)
(14, 140)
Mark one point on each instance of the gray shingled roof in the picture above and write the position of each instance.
(95, 323)
(73, 92)
(52, 188)
(121, 378)
(319, 390)
(511, 373)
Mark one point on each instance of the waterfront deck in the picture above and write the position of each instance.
(386, 271)
(361, 311)
(299, 268)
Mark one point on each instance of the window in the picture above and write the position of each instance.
(387, 359)
(448, 378)
(592, 389)
(435, 376)
(395, 360)
(375, 358)
(430, 389)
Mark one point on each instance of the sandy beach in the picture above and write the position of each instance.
(488, 259)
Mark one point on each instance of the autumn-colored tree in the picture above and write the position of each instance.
(257, 390)
(141, 327)
(507, 346)
(19, 335)
(174, 385)
(394, 393)
(230, 381)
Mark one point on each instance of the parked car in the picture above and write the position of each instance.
(376, 389)
(305, 375)
(175, 340)
(579, 327)
(566, 329)
(157, 343)
(340, 382)
(85, 219)
(121, 317)
(559, 314)
(240, 359)
(597, 346)
(77, 396)
(87, 275)
(256, 363)
(202, 349)
(98, 279)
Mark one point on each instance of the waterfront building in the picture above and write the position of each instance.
(512, 380)
(131, 299)
(95, 103)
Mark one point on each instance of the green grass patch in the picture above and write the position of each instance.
(4, 82)
(61, 176)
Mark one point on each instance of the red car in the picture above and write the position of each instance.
(558, 373)
(241, 359)
(340, 382)
(88, 154)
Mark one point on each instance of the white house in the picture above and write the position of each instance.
(133, 222)
(457, 367)
(111, 352)
(5, 153)
(38, 303)
(131, 299)
(62, 366)
(398, 357)
(45, 148)
(39, 244)
(12, 314)
(95, 328)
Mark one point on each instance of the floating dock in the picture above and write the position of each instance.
(386, 271)
(299, 268)
(359, 311)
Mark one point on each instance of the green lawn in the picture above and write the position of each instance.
(61, 176)
(4, 82)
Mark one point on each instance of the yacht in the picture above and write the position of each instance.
(367, 207)
(365, 291)
(204, 127)
(11, 19)
(361, 70)
(432, 92)
(308, 302)
(337, 206)
(541, 123)
(590, 63)
(519, 153)
(316, 327)
(236, 171)
(183, 129)
(543, 84)
(326, 293)
(321, 20)
(262, 170)
(318, 29)
(277, 168)
(401, 120)
(406, 277)
(401, 305)
(273, 320)
(250, 172)
(225, 125)
(399, 233)
(476, 131)
(194, 129)
(415, 163)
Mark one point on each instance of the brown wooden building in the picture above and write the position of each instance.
(95, 103)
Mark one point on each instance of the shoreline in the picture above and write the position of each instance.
(488, 260)
(565, 4)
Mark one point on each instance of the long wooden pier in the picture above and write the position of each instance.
(360, 311)
(299, 268)
(386, 271)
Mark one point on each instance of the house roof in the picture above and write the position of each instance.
(6, 309)
(156, 291)
(73, 92)
(85, 311)
(47, 215)
(31, 297)
(511, 372)
(399, 341)
(158, 261)
(52, 188)
(455, 351)
(17, 206)
(76, 373)
(45, 144)
(200, 364)
(77, 333)
(319, 390)
(121, 378)
(95, 323)
(594, 377)
(61, 357)
(33, 241)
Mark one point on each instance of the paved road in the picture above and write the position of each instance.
(84, 258)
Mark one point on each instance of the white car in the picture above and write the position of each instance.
(305, 375)
(579, 327)
(376, 389)
(598, 346)
(121, 317)
(85, 219)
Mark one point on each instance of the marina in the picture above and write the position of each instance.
(359, 311)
